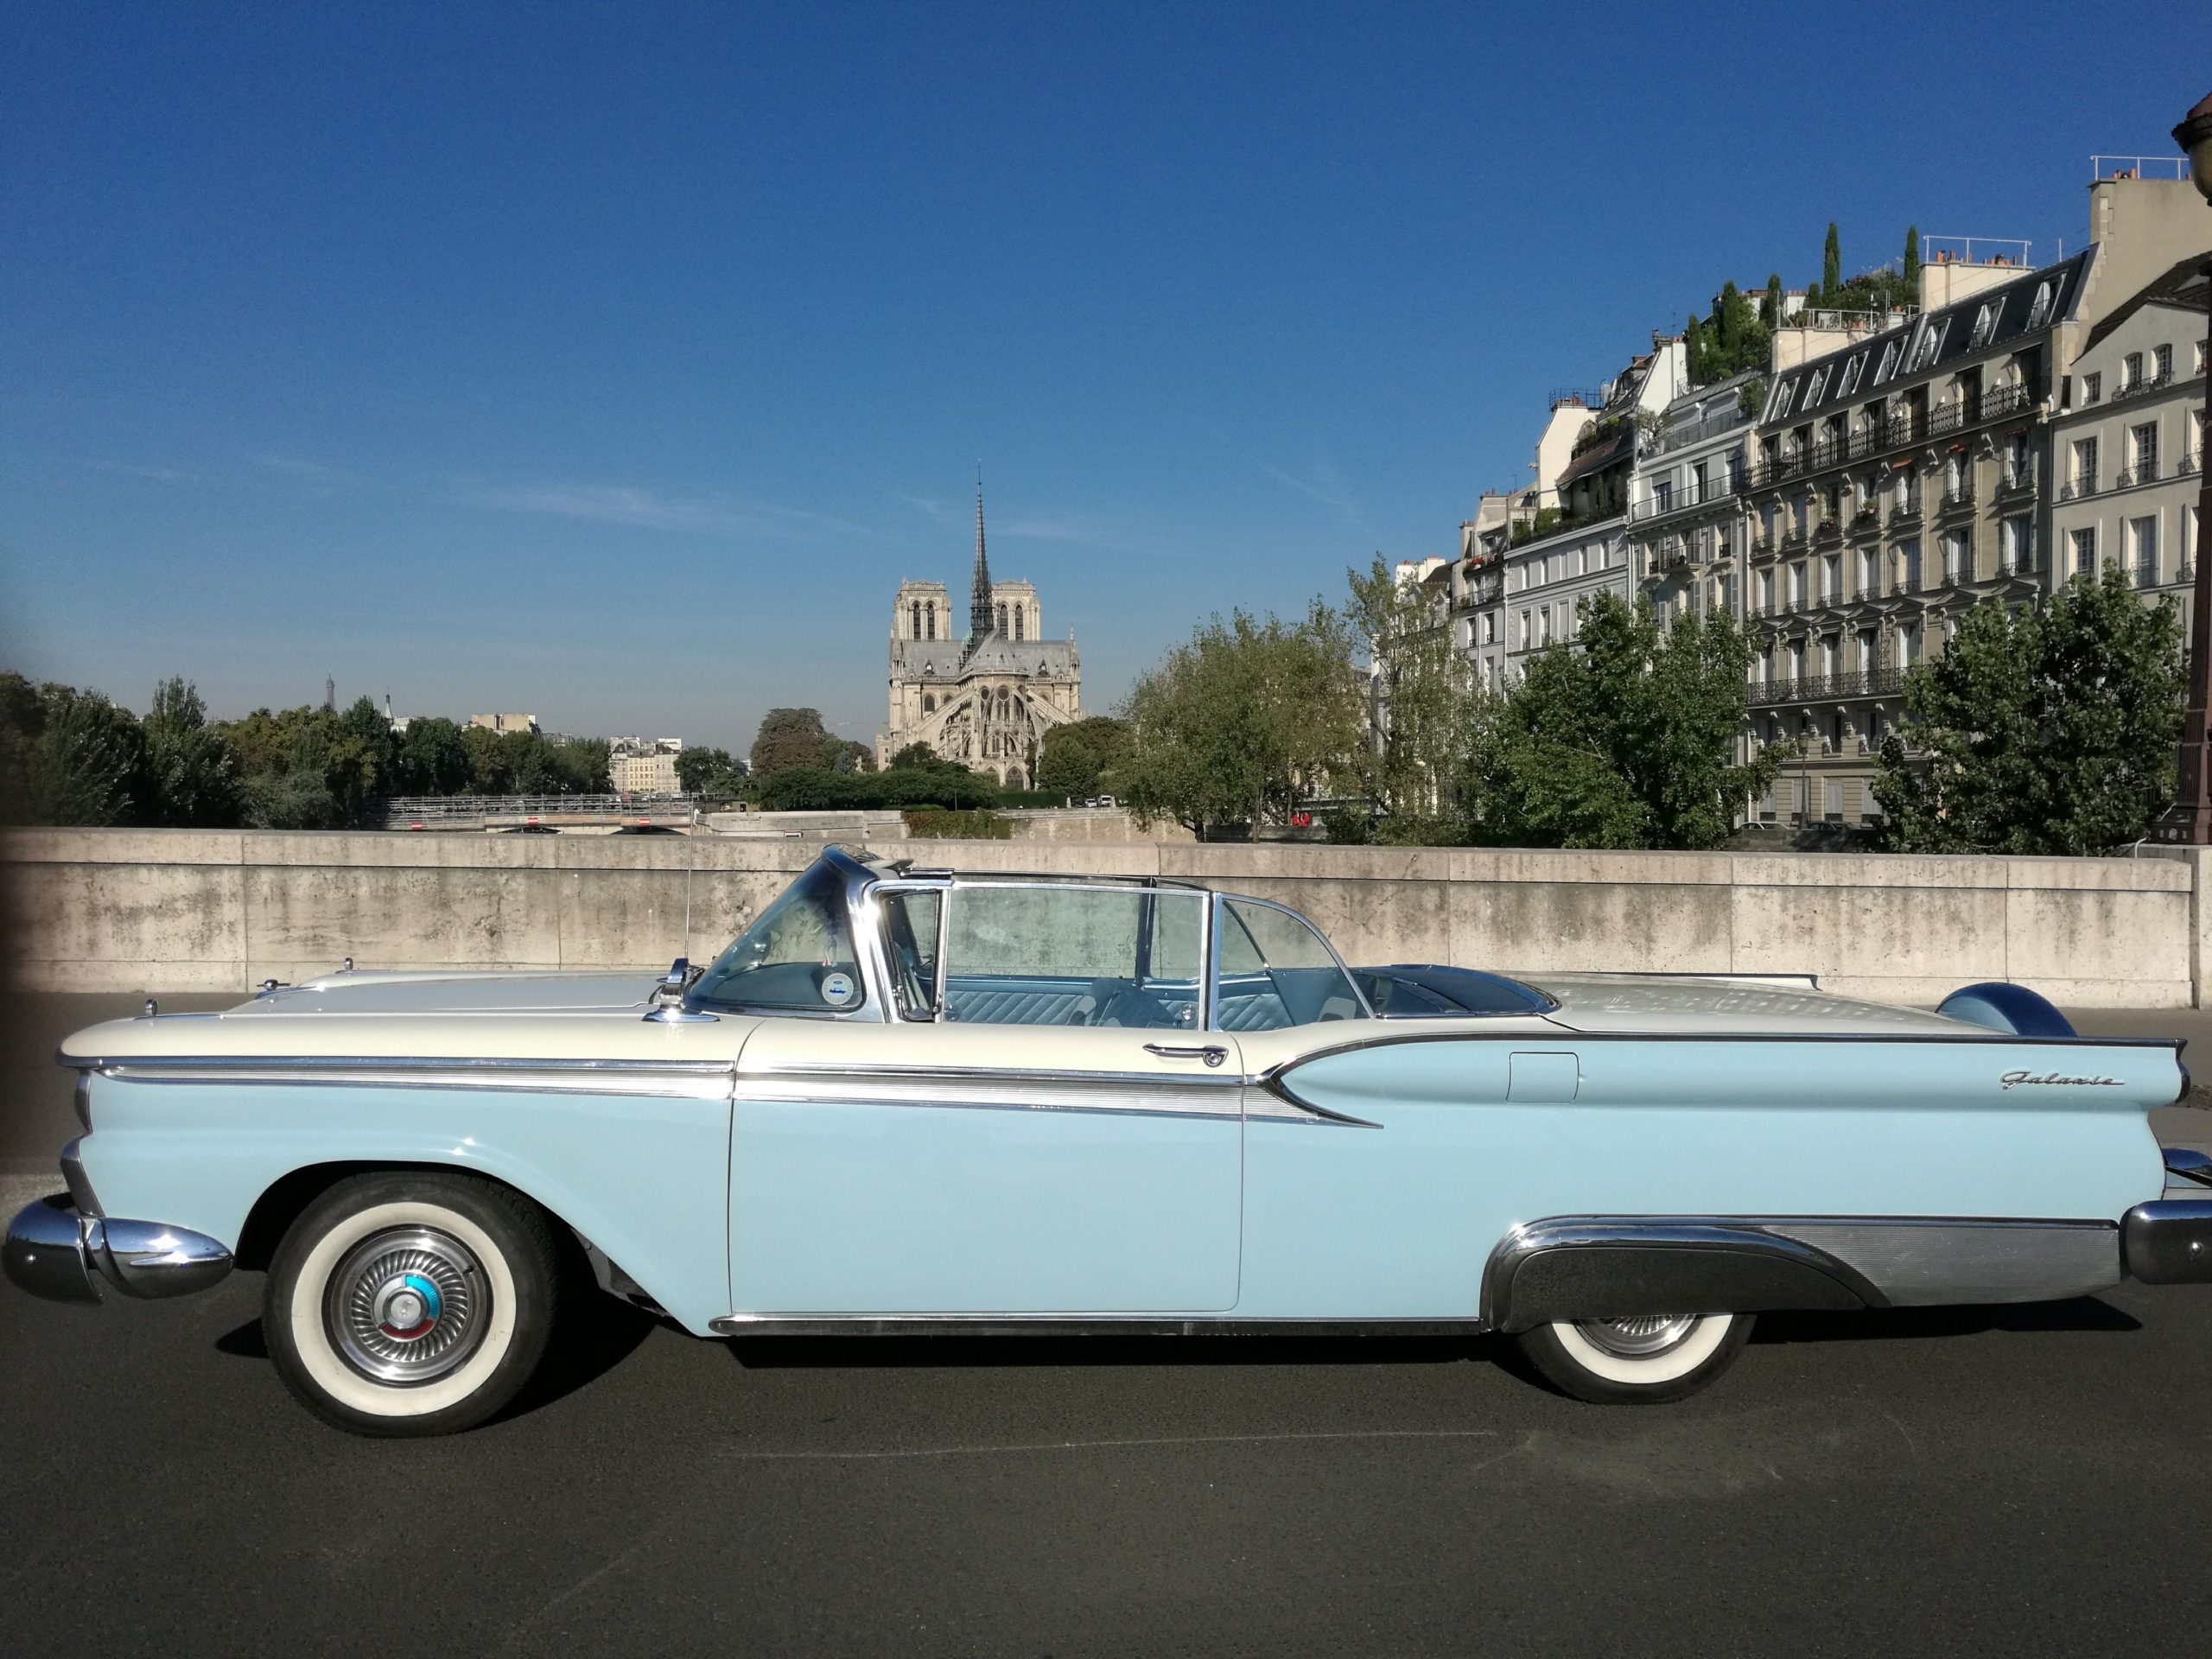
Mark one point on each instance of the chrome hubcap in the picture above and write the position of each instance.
(1640, 1336)
(407, 1306)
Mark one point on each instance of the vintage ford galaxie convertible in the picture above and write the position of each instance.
(911, 1100)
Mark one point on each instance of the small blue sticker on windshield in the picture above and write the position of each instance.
(838, 989)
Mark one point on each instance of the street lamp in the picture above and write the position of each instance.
(2194, 135)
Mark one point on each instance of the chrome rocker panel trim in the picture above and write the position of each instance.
(1066, 1325)
(55, 1251)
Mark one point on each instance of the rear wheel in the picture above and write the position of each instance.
(1646, 1359)
(405, 1303)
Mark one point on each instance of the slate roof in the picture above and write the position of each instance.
(2014, 307)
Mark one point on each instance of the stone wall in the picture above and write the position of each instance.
(212, 909)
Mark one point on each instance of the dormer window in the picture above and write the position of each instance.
(1925, 348)
(1783, 393)
(1889, 361)
(1815, 386)
(1984, 325)
(1852, 371)
(2039, 313)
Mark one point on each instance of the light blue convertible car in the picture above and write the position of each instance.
(911, 1100)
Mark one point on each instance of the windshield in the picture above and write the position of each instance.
(798, 956)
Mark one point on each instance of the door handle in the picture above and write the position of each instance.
(1211, 1053)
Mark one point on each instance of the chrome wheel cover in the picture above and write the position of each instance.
(407, 1306)
(1642, 1336)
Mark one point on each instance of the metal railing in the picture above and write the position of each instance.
(1807, 687)
(1682, 499)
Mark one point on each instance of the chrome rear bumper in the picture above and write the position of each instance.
(55, 1251)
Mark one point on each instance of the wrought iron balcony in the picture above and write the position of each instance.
(2190, 462)
(1960, 494)
(1811, 688)
(1682, 500)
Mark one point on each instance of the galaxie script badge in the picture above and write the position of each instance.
(2013, 1079)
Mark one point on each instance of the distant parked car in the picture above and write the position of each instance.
(908, 1100)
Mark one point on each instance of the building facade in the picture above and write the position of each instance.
(1893, 485)
(1530, 558)
(985, 698)
(636, 766)
(2129, 443)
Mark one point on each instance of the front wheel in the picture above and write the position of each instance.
(406, 1304)
(1646, 1359)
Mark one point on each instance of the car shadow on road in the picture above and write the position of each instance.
(1911, 1324)
(594, 1336)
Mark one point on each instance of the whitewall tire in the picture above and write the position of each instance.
(1646, 1359)
(411, 1303)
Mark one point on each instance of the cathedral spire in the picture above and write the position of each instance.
(979, 595)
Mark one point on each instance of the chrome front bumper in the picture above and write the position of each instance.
(56, 1250)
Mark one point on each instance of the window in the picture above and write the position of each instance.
(1276, 971)
(2085, 466)
(1796, 587)
(2039, 313)
(1735, 473)
(1985, 324)
(1832, 797)
(2130, 371)
(2143, 440)
(1784, 392)
(1798, 511)
(1909, 644)
(1490, 627)
(2017, 459)
(2143, 544)
(2019, 543)
(910, 936)
(2162, 363)
(1866, 648)
(1852, 371)
(1766, 593)
(796, 957)
(1958, 557)
(1527, 630)
(1931, 342)
(1036, 955)
(1832, 579)
(2092, 388)
(1869, 583)
(1662, 494)
(1815, 386)
(2084, 542)
(1909, 556)
(1830, 659)
(1889, 362)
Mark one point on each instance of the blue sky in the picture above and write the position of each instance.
(615, 363)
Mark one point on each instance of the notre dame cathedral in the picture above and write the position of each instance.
(986, 699)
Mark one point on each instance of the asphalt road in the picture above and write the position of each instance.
(1998, 1481)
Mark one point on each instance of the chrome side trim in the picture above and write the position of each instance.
(1142, 1095)
(1012, 1073)
(1065, 1325)
(685, 1079)
(1283, 1068)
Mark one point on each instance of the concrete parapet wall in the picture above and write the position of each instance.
(216, 910)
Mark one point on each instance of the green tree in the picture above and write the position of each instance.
(709, 773)
(191, 776)
(1912, 261)
(913, 758)
(1771, 308)
(1084, 756)
(1734, 338)
(2051, 728)
(789, 737)
(434, 759)
(1243, 723)
(1624, 739)
(70, 757)
(1422, 724)
(1832, 264)
(842, 755)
